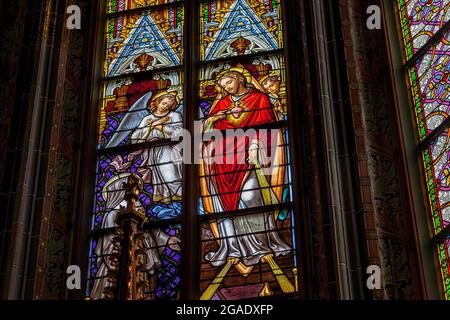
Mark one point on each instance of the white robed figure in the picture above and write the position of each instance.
(157, 118)
(163, 123)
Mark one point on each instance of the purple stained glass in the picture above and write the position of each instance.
(421, 19)
(160, 198)
(163, 262)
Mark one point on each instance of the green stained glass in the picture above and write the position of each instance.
(420, 20)
(429, 81)
(444, 252)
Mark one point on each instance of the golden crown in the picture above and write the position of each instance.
(162, 84)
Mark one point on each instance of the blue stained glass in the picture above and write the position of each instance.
(230, 28)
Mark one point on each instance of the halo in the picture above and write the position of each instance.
(120, 176)
(264, 78)
(166, 93)
(243, 71)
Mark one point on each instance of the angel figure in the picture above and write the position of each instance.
(272, 85)
(154, 118)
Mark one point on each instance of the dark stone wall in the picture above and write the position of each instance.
(56, 229)
(12, 18)
(316, 232)
(33, 37)
(20, 22)
(387, 215)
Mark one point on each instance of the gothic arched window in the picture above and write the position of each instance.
(223, 207)
(425, 26)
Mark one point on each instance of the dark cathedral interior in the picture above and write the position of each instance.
(224, 150)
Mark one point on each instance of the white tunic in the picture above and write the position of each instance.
(165, 162)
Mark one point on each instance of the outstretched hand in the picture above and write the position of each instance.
(220, 115)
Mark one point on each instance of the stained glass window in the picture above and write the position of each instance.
(244, 254)
(141, 110)
(245, 215)
(425, 26)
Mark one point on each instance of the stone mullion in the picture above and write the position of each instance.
(41, 288)
(383, 206)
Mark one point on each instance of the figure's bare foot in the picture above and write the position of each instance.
(266, 258)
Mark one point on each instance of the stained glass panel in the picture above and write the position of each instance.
(444, 258)
(429, 82)
(251, 255)
(264, 75)
(238, 27)
(437, 165)
(162, 180)
(257, 260)
(420, 20)
(246, 168)
(245, 161)
(231, 188)
(429, 85)
(161, 256)
(114, 6)
(144, 41)
(141, 111)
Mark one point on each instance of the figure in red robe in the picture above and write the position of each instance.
(231, 179)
